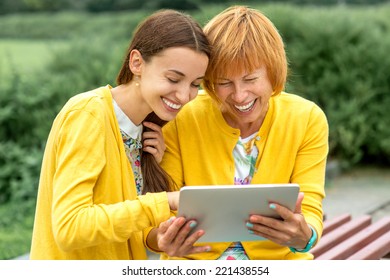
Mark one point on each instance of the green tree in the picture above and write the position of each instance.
(45, 5)
(172, 4)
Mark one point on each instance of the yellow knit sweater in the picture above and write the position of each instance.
(293, 147)
(87, 206)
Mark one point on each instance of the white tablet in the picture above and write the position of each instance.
(222, 211)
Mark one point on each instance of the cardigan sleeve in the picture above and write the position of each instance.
(309, 168)
(77, 222)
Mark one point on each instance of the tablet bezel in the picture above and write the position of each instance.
(223, 210)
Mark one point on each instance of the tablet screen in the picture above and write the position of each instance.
(222, 211)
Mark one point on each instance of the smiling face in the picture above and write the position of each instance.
(171, 79)
(247, 67)
(244, 99)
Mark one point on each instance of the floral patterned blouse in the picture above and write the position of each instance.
(245, 154)
(132, 140)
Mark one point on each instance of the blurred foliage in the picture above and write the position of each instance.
(338, 58)
(70, 25)
(17, 6)
(16, 223)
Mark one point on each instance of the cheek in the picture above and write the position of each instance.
(221, 93)
(156, 87)
(265, 89)
(266, 95)
(263, 92)
(193, 94)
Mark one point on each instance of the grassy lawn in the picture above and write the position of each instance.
(25, 56)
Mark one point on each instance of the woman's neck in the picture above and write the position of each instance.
(129, 99)
(249, 129)
(246, 128)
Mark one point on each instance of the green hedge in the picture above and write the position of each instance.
(28, 106)
(339, 59)
(70, 25)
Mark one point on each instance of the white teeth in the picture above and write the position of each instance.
(245, 108)
(172, 105)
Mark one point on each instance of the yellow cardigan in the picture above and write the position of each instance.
(292, 144)
(87, 206)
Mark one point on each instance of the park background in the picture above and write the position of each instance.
(338, 54)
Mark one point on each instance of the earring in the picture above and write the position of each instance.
(136, 81)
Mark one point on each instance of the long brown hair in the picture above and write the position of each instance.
(163, 29)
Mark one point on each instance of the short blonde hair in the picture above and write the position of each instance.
(244, 39)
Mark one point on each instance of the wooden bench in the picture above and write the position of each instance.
(359, 238)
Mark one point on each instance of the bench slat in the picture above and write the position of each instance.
(358, 241)
(340, 234)
(335, 222)
(374, 251)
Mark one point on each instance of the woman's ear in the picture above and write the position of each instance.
(135, 62)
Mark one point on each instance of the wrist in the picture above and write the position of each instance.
(152, 242)
(173, 200)
(309, 244)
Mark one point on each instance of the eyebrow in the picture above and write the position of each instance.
(182, 74)
(253, 73)
(177, 72)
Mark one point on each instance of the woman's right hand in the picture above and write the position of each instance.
(173, 237)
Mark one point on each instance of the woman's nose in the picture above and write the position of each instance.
(183, 95)
(239, 94)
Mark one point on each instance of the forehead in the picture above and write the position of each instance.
(239, 70)
(183, 59)
(238, 65)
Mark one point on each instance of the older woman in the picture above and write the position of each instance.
(243, 129)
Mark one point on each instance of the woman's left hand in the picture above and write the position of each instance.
(153, 141)
(292, 230)
(174, 238)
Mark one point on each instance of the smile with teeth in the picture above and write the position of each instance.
(245, 108)
(171, 105)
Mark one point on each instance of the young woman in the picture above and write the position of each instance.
(97, 193)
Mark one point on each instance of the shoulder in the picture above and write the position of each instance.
(293, 104)
(92, 98)
(294, 100)
(201, 105)
(92, 102)
(202, 101)
(89, 108)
